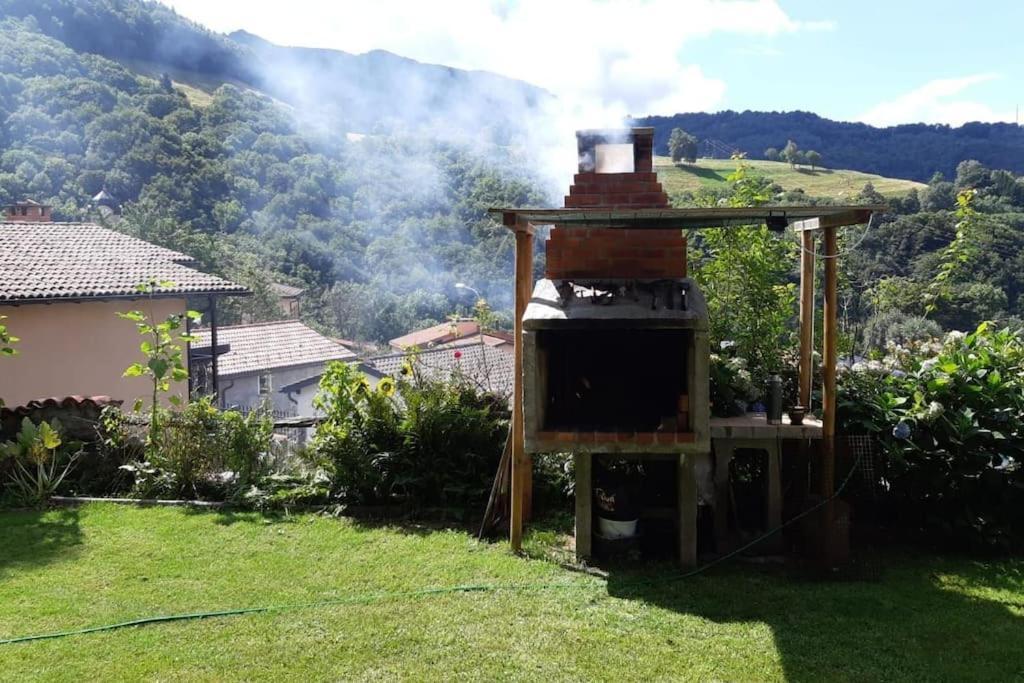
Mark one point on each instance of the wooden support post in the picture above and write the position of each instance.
(522, 477)
(806, 318)
(687, 500)
(724, 452)
(828, 430)
(584, 490)
(773, 494)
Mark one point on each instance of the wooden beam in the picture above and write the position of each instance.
(806, 318)
(521, 466)
(830, 343)
(836, 220)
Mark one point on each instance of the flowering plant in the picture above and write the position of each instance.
(949, 417)
(732, 386)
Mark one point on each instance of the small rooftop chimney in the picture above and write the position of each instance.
(27, 211)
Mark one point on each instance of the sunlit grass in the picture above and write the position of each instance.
(927, 618)
(822, 182)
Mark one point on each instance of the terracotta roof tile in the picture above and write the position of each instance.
(47, 261)
(266, 346)
(438, 334)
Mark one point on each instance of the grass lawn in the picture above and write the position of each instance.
(821, 182)
(926, 618)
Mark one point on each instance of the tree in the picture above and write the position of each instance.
(813, 158)
(869, 195)
(743, 272)
(682, 146)
(164, 358)
(956, 257)
(791, 153)
(772, 154)
(972, 175)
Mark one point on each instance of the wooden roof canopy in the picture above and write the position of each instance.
(800, 218)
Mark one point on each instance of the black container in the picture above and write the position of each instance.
(773, 400)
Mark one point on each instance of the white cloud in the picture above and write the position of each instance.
(604, 59)
(936, 102)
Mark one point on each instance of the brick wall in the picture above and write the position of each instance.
(613, 253)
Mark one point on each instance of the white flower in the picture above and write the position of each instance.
(955, 337)
(934, 410)
(929, 364)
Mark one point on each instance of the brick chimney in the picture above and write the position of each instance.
(27, 211)
(616, 171)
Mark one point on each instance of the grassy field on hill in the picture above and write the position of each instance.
(925, 618)
(821, 182)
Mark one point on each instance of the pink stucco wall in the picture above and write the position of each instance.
(77, 348)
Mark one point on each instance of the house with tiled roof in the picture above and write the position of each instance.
(261, 358)
(489, 368)
(463, 332)
(437, 335)
(61, 288)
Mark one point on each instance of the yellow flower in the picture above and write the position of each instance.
(386, 386)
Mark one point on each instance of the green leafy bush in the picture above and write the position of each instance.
(896, 327)
(732, 386)
(204, 452)
(949, 418)
(419, 441)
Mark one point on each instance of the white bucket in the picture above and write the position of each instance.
(610, 529)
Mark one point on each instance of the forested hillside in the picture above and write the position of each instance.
(914, 151)
(377, 92)
(381, 227)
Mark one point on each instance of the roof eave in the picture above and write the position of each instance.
(77, 299)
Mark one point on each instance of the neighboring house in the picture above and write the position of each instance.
(61, 288)
(287, 299)
(491, 369)
(450, 334)
(299, 394)
(28, 211)
(287, 302)
(263, 357)
(436, 335)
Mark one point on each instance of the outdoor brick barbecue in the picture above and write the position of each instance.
(615, 337)
(611, 350)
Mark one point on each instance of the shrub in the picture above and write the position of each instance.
(358, 436)
(419, 441)
(118, 441)
(896, 327)
(950, 420)
(732, 386)
(204, 452)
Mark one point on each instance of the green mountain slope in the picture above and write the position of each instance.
(836, 184)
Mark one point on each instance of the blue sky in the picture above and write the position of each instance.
(878, 52)
(883, 62)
